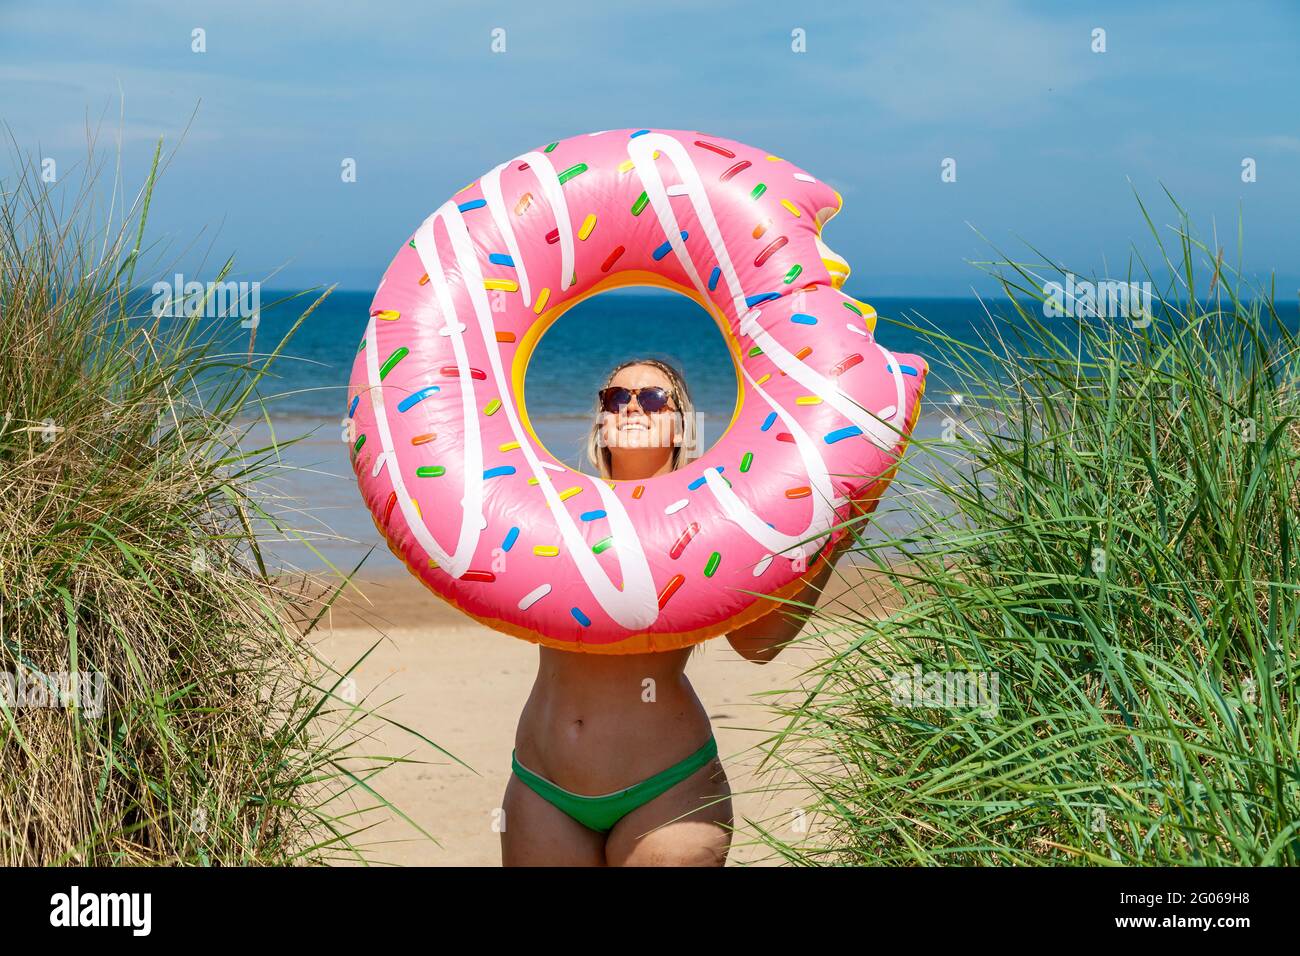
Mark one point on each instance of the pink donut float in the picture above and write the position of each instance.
(490, 521)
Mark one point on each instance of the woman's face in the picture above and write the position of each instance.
(632, 427)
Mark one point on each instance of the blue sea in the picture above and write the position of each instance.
(306, 395)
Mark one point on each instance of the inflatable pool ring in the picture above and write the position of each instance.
(476, 507)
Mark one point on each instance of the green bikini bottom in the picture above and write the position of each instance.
(600, 813)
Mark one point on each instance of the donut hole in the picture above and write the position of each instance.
(575, 355)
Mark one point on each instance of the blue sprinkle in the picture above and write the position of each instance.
(592, 515)
(501, 259)
(511, 537)
(666, 248)
(840, 433)
(752, 300)
(803, 318)
(905, 369)
(498, 471)
(713, 278)
(700, 480)
(472, 204)
(353, 409)
(767, 422)
(640, 132)
(415, 398)
(580, 617)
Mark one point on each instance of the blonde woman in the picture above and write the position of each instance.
(603, 777)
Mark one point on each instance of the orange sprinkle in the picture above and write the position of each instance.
(525, 201)
(424, 279)
(505, 336)
(423, 439)
(638, 491)
(803, 491)
(762, 228)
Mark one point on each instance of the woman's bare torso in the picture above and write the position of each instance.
(594, 724)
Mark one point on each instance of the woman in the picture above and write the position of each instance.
(615, 762)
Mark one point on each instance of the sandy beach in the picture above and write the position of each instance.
(462, 686)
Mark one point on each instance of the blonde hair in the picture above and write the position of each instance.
(686, 448)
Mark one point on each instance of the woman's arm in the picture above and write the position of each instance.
(761, 640)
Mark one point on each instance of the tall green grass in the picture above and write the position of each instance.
(1110, 528)
(128, 502)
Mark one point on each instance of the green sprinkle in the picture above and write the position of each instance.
(572, 171)
(602, 544)
(551, 147)
(411, 243)
(357, 447)
(852, 308)
(393, 359)
(640, 204)
(747, 461)
(758, 190)
(755, 351)
(362, 345)
(430, 471)
(492, 407)
(793, 273)
(714, 560)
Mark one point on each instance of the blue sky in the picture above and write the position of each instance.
(1046, 133)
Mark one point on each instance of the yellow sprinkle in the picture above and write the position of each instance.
(794, 210)
(541, 301)
(463, 188)
(656, 154)
(532, 481)
(588, 224)
(626, 166)
(504, 285)
(492, 407)
(568, 493)
(433, 563)
(545, 550)
(764, 378)
(808, 400)
(774, 159)
(388, 315)
(417, 508)
(508, 446)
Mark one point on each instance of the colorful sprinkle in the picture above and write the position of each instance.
(525, 201)
(852, 308)
(592, 515)
(846, 363)
(670, 589)
(808, 400)
(638, 491)
(472, 204)
(388, 315)
(677, 506)
(702, 479)
(676, 551)
(761, 228)
(733, 170)
(714, 560)
(472, 575)
(803, 318)
(451, 371)
(640, 204)
(430, 471)
(545, 550)
(640, 132)
(720, 150)
(416, 398)
(580, 617)
(498, 471)
(423, 439)
(492, 407)
(753, 300)
(501, 259)
(393, 359)
(772, 247)
(501, 285)
(755, 351)
(508, 446)
(588, 225)
(357, 447)
(746, 461)
(793, 274)
(612, 258)
(511, 537)
(791, 208)
(767, 422)
(785, 436)
(533, 596)
(568, 493)
(540, 304)
(575, 170)
(388, 508)
(803, 491)
(763, 378)
(713, 278)
(505, 336)
(666, 248)
(906, 369)
(841, 433)
(352, 409)
(602, 544)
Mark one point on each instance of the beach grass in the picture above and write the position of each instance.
(160, 701)
(1089, 650)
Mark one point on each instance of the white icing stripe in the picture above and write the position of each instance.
(497, 205)
(540, 164)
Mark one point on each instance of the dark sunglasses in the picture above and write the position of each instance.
(651, 399)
